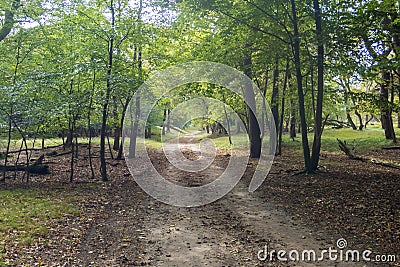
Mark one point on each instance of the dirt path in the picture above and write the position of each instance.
(137, 230)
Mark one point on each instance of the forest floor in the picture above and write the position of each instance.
(117, 224)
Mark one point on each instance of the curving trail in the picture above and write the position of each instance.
(140, 231)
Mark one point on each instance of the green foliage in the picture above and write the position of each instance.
(52, 67)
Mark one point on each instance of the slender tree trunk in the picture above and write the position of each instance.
(264, 105)
(274, 98)
(134, 130)
(24, 143)
(293, 110)
(312, 89)
(103, 166)
(169, 120)
(71, 133)
(293, 122)
(18, 157)
(279, 150)
(89, 124)
(227, 122)
(300, 93)
(318, 127)
(164, 122)
(117, 130)
(148, 131)
(11, 107)
(350, 121)
(121, 146)
(71, 174)
(8, 144)
(76, 143)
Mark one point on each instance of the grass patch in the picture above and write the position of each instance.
(372, 138)
(25, 215)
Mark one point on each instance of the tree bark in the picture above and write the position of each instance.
(386, 115)
(274, 97)
(318, 127)
(254, 129)
(360, 120)
(350, 121)
(300, 93)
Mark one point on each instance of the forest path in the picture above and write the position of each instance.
(137, 230)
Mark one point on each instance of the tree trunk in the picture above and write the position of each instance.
(292, 127)
(274, 99)
(300, 93)
(318, 127)
(103, 165)
(147, 133)
(279, 150)
(360, 120)
(134, 130)
(71, 174)
(227, 122)
(169, 120)
(350, 121)
(89, 123)
(164, 122)
(68, 140)
(121, 125)
(386, 115)
(264, 105)
(117, 129)
(293, 110)
(254, 129)
(8, 143)
(117, 138)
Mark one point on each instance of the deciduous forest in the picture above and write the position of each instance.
(327, 73)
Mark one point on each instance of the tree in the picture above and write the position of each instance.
(370, 31)
(103, 167)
